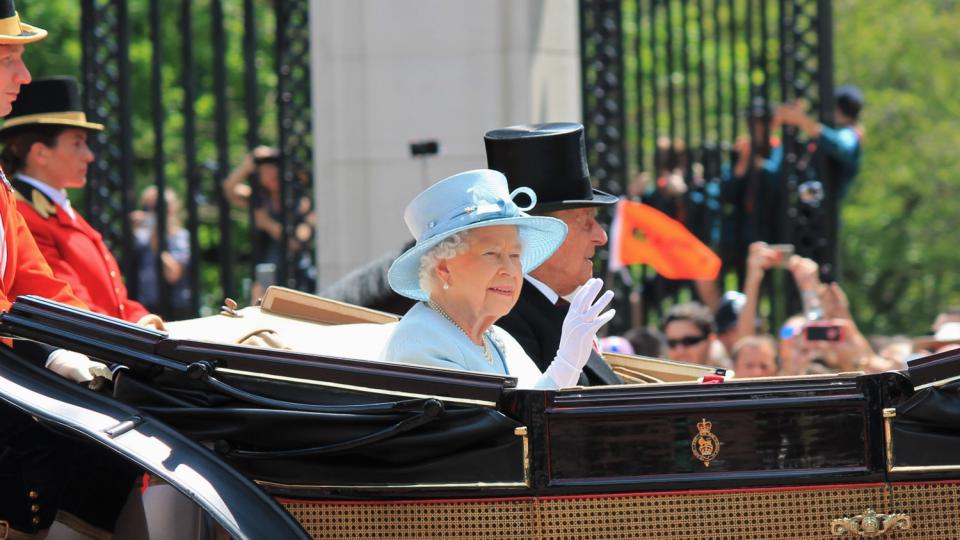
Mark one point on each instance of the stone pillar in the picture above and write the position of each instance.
(389, 72)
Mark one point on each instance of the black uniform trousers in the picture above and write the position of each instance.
(43, 471)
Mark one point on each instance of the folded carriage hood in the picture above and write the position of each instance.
(235, 502)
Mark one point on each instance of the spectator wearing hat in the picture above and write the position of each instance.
(45, 150)
(726, 318)
(36, 465)
(263, 164)
(951, 314)
(551, 160)
(842, 143)
(947, 337)
(750, 188)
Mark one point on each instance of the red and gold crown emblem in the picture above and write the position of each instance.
(705, 445)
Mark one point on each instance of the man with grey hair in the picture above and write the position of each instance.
(551, 159)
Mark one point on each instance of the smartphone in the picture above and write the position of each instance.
(784, 252)
(823, 331)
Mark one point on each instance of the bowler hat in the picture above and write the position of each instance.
(52, 101)
(548, 158)
(466, 201)
(14, 32)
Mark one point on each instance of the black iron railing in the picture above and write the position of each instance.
(688, 76)
(224, 249)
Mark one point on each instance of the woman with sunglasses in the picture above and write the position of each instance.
(690, 332)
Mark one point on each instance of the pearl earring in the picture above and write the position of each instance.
(446, 285)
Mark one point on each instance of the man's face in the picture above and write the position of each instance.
(756, 361)
(572, 264)
(687, 343)
(13, 75)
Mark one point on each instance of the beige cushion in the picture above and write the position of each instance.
(260, 328)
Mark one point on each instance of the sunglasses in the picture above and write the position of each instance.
(688, 341)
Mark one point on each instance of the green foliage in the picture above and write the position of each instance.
(900, 227)
(61, 54)
(899, 230)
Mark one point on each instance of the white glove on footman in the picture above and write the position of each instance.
(75, 366)
(579, 330)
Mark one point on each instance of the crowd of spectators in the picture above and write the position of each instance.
(822, 338)
(745, 195)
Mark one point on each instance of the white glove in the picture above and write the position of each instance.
(579, 330)
(75, 366)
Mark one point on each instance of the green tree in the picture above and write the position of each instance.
(61, 54)
(900, 227)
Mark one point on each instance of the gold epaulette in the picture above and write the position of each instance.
(39, 202)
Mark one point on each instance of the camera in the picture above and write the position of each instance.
(424, 148)
(271, 159)
(823, 331)
(784, 252)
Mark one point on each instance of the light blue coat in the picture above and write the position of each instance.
(426, 338)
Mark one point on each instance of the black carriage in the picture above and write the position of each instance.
(281, 444)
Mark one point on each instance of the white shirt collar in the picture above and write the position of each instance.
(58, 196)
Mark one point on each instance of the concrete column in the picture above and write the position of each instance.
(389, 72)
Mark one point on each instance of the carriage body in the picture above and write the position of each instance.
(357, 448)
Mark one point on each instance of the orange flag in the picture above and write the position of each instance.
(644, 235)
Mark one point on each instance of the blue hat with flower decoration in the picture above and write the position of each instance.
(465, 201)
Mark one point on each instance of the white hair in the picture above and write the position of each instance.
(448, 248)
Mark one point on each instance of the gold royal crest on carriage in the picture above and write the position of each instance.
(705, 445)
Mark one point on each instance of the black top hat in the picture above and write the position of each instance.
(548, 158)
(52, 101)
(14, 32)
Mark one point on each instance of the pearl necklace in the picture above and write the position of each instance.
(489, 333)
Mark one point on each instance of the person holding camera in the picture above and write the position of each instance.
(263, 162)
(174, 259)
(842, 144)
(825, 337)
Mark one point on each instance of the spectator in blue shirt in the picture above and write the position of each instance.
(841, 143)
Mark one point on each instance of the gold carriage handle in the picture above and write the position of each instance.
(870, 524)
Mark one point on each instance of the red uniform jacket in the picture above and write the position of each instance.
(25, 271)
(77, 254)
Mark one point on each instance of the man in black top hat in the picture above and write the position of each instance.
(551, 160)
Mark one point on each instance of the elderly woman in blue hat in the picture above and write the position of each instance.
(473, 246)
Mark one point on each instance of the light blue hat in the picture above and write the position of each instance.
(465, 201)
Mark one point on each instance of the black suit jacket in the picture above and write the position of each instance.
(536, 324)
